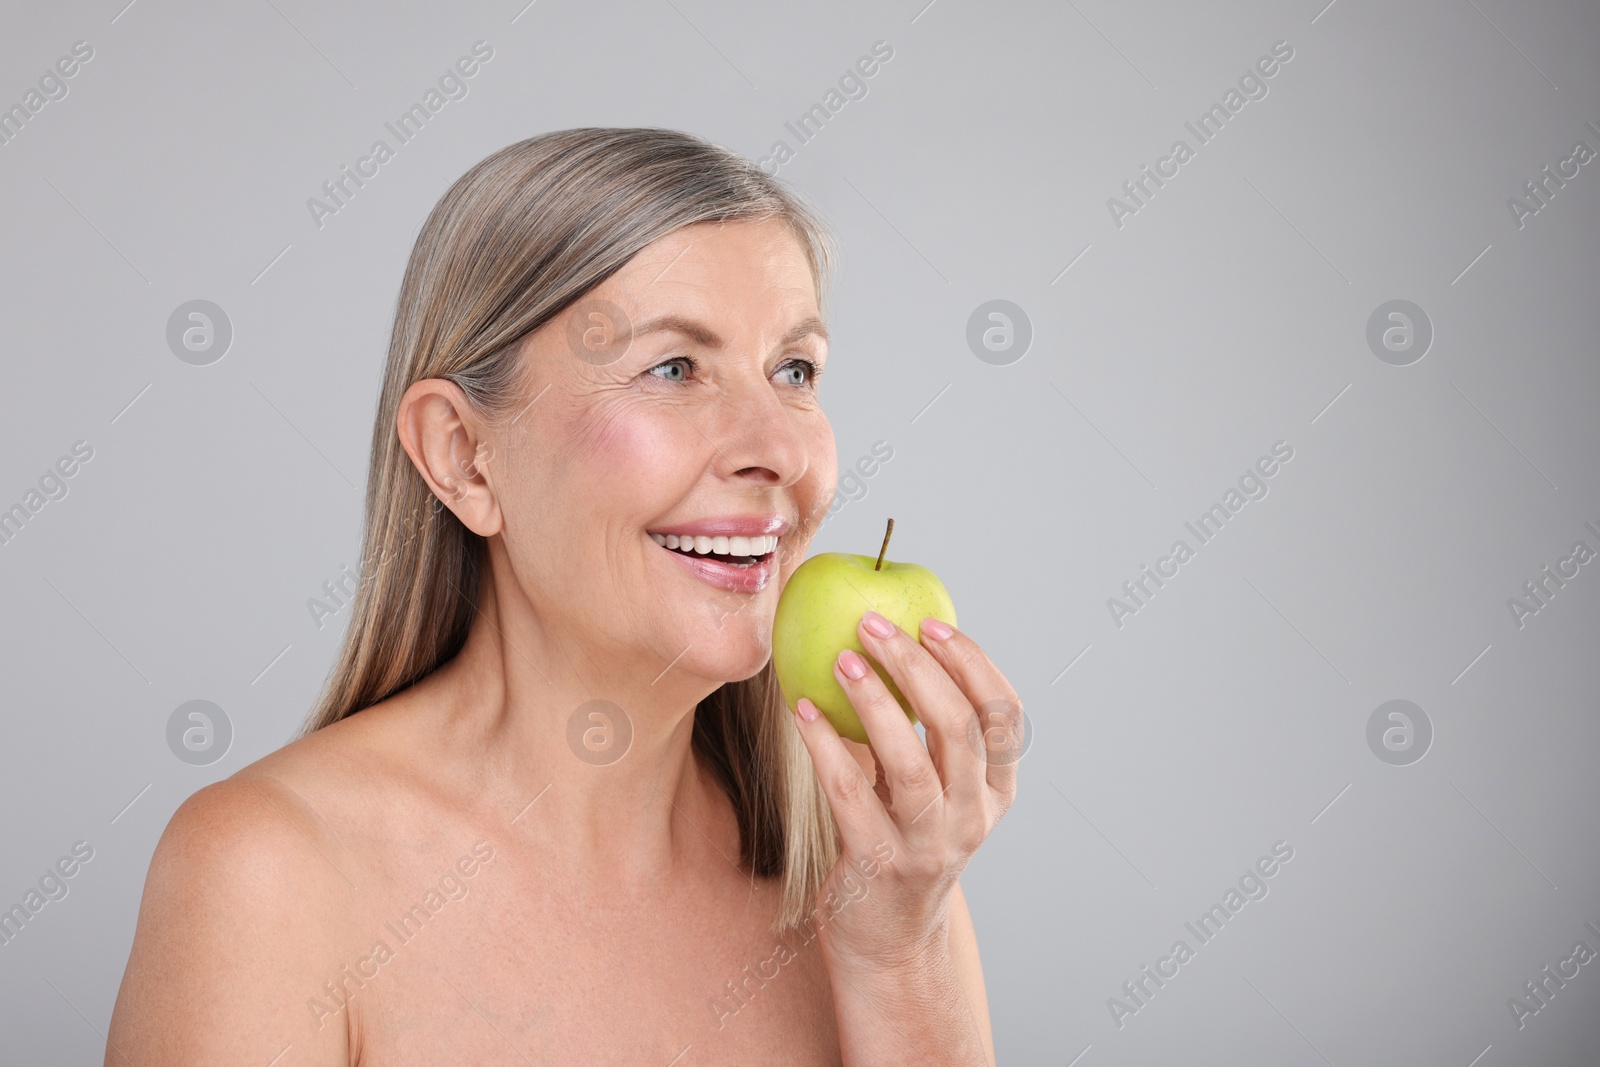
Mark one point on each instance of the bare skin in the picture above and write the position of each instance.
(437, 879)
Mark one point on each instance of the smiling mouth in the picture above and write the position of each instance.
(731, 551)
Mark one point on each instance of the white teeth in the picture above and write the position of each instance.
(723, 546)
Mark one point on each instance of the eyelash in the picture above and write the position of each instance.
(812, 371)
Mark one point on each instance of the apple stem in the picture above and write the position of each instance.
(878, 566)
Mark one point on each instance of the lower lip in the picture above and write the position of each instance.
(751, 579)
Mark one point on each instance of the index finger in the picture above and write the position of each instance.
(858, 810)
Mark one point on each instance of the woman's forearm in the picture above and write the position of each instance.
(911, 1013)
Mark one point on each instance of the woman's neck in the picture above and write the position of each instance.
(597, 759)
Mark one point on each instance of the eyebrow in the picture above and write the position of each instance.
(704, 335)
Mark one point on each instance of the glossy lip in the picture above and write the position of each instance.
(751, 579)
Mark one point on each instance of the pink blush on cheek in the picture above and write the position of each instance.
(634, 457)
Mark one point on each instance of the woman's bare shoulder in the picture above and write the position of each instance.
(246, 906)
(344, 778)
(234, 925)
(275, 811)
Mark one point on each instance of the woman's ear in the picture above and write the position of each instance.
(450, 448)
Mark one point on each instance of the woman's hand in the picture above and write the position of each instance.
(908, 836)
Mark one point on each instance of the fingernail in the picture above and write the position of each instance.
(806, 710)
(853, 666)
(877, 625)
(936, 629)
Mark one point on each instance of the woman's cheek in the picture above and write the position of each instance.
(818, 487)
(634, 451)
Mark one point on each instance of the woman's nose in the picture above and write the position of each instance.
(758, 437)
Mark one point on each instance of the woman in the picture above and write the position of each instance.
(573, 820)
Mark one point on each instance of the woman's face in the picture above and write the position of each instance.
(696, 419)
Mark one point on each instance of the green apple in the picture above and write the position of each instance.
(817, 617)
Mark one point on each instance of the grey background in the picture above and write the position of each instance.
(1228, 314)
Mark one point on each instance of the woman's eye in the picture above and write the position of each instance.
(798, 372)
(673, 370)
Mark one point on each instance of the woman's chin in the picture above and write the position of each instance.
(727, 660)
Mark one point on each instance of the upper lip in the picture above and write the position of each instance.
(728, 526)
